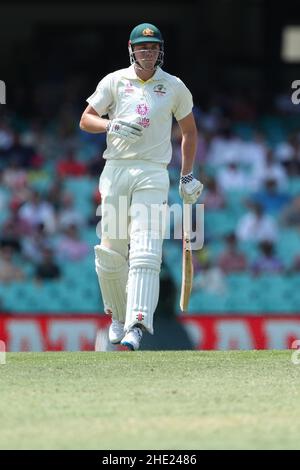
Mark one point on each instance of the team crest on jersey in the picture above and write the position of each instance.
(140, 316)
(142, 109)
(129, 88)
(160, 90)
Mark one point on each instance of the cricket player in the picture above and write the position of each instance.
(140, 102)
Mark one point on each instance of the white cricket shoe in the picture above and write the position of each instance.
(116, 332)
(132, 338)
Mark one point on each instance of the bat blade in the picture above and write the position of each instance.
(187, 260)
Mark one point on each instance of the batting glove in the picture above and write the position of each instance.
(189, 188)
(129, 131)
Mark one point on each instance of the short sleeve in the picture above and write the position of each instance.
(102, 98)
(183, 101)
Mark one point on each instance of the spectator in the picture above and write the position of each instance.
(224, 147)
(212, 197)
(210, 279)
(270, 198)
(208, 121)
(69, 166)
(55, 193)
(291, 214)
(8, 271)
(16, 179)
(232, 177)
(256, 226)
(47, 268)
(20, 194)
(200, 258)
(33, 135)
(14, 229)
(19, 152)
(6, 138)
(14, 176)
(68, 214)
(232, 260)
(269, 170)
(288, 154)
(254, 151)
(37, 211)
(70, 246)
(33, 246)
(267, 261)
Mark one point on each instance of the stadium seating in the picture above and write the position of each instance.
(78, 291)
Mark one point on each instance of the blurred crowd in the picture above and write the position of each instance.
(240, 152)
(40, 223)
(250, 165)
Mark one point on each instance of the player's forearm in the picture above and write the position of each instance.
(188, 151)
(93, 124)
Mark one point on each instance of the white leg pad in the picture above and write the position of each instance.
(143, 280)
(112, 271)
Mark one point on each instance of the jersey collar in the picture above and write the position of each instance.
(130, 74)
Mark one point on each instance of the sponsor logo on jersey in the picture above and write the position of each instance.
(144, 122)
(160, 90)
(142, 109)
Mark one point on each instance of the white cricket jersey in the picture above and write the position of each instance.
(123, 95)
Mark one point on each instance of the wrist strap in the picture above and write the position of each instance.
(186, 178)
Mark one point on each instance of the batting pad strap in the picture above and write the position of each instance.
(112, 271)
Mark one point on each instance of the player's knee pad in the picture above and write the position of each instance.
(146, 250)
(112, 271)
(143, 281)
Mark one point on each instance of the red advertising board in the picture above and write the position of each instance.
(80, 332)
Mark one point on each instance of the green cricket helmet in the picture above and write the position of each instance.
(146, 32)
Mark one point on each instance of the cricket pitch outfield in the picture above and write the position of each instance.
(150, 400)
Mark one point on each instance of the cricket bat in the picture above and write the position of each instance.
(187, 260)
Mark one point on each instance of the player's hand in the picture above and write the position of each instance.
(129, 131)
(190, 188)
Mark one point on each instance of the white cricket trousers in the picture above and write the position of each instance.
(133, 207)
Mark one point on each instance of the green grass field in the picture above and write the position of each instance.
(150, 400)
